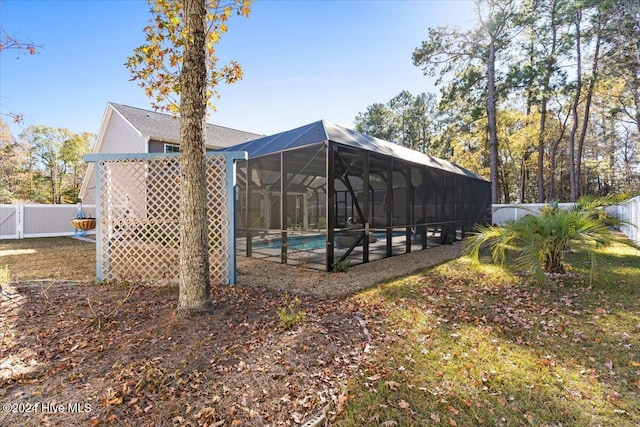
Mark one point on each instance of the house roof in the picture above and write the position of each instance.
(322, 131)
(166, 127)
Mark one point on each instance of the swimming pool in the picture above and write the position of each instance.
(309, 242)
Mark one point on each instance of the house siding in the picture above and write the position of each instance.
(126, 129)
(119, 137)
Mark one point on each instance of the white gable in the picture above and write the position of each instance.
(117, 135)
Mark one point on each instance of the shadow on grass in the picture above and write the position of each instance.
(478, 344)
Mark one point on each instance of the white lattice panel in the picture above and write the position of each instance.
(140, 217)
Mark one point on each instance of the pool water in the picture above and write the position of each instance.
(309, 242)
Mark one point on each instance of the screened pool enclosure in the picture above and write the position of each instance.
(323, 194)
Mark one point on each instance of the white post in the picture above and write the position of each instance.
(20, 220)
(305, 212)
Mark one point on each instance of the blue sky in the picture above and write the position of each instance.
(303, 60)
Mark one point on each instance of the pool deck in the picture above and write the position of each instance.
(267, 247)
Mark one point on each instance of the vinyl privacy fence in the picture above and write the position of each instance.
(22, 220)
(628, 212)
(502, 213)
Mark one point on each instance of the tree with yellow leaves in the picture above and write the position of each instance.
(178, 68)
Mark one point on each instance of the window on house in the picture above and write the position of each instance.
(169, 148)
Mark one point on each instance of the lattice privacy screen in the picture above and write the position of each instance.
(139, 216)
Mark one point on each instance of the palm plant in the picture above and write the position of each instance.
(540, 242)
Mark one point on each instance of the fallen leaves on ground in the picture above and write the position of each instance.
(121, 350)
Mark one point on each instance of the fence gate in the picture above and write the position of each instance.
(138, 216)
(10, 222)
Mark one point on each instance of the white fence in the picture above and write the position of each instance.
(24, 220)
(628, 212)
(504, 213)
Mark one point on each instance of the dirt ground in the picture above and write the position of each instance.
(73, 352)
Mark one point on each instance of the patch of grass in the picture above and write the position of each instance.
(466, 344)
(5, 276)
(53, 257)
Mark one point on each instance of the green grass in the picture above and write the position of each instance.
(466, 345)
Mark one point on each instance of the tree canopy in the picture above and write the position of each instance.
(542, 96)
(42, 165)
(156, 65)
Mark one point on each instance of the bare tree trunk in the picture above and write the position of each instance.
(195, 289)
(573, 183)
(540, 171)
(524, 172)
(637, 101)
(634, 46)
(587, 106)
(552, 171)
(53, 187)
(59, 184)
(613, 174)
(523, 177)
(550, 62)
(553, 156)
(635, 73)
(491, 116)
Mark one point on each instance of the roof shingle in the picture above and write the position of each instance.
(166, 127)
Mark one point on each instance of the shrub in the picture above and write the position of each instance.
(540, 242)
(290, 316)
(341, 266)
